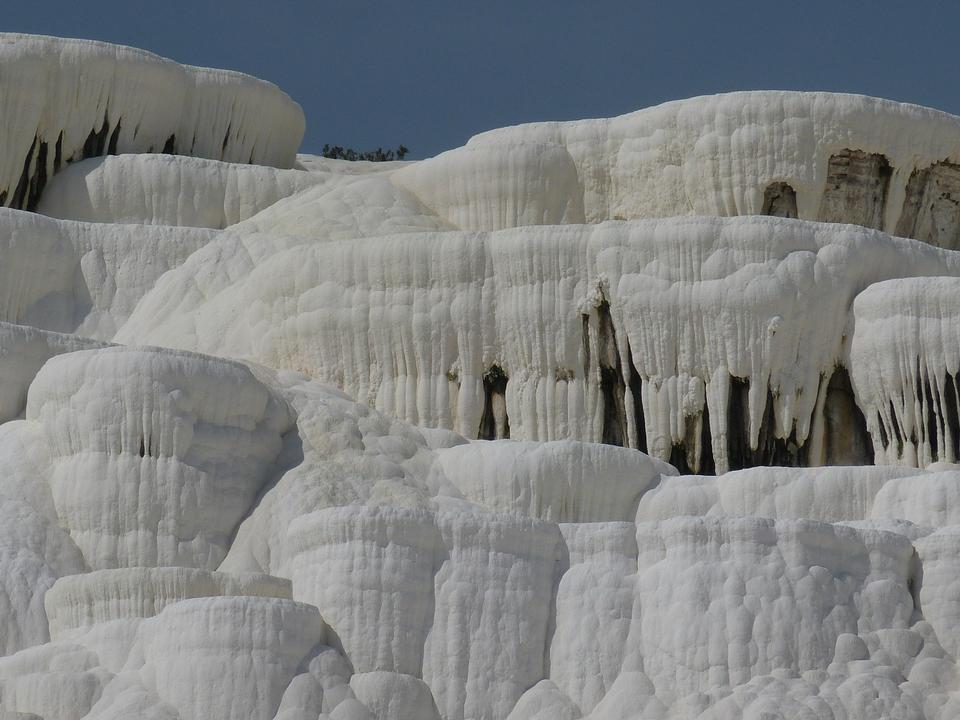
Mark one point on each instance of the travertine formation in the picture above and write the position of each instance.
(648, 417)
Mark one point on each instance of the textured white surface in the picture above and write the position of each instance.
(411, 323)
(712, 155)
(187, 536)
(169, 190)
(905, 357)
(229, 657)
(154, 456)
(57, 92)
(23, 350)
(563, 481)
(828, 494)
(83, 278)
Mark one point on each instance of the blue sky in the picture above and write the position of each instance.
(430, 74)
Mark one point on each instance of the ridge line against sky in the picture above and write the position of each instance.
(430, 74)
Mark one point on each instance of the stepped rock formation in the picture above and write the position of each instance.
(652, 417)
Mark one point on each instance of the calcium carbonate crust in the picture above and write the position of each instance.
(486, 436)
(66, 100)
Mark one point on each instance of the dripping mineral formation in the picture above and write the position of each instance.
(653, 417)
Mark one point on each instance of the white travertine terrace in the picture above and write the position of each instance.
(84, 278)
(412, 323)
(166, 481)
(714, 156)
(551, 426)
(905, 356)
(65, 100)
(563, 481)
(169, 190)
(102, 596)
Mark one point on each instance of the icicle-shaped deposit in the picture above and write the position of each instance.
(708, 341)
(64, 100)
(905, 358)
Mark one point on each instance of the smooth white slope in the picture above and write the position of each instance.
(23, 350)
(563, 481)
(83, 278)
(169, 190)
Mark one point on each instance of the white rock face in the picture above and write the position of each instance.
(169, 190)
(715, 155)
(84, 278)
(101, 596)
(34, 552)
(562, 481)
(827, 494)
(155, 456)
(431, 573)
(908, 391)
(102, 610)
(780, 601)
(23, 350)
(229, 657)
(437, 461)
(130, 101)
(393, 696)
(624, 317)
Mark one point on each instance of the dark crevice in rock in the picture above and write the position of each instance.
(897, 435)
(170, 146)
(58, 153)
(114, 139)
(36, 165)
(846, 440)
(226, 140)
(705, 463)
(96, 141)
(38, 181)
(856, 190)
(738, 424)
(937, 422)
(931, 207)
(23, 184)
(494, 423)
(585, 343)
(780, 200)
(636, 387)
(146, 447)
(770, 449)
(951, 412)
(678, 458)
(930, 412)
(884, 438)
(612, 387)
(694, 456)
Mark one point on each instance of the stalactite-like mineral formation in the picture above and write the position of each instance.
(650, 417)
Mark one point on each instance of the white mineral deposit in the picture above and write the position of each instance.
(650, 417)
